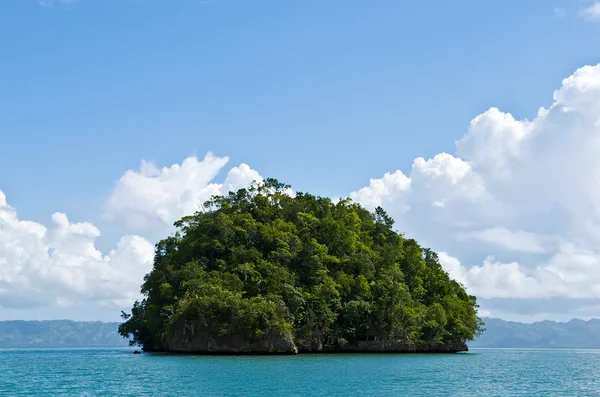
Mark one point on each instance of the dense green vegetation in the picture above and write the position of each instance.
(259, 262)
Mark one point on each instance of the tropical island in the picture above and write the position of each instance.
(263, 271)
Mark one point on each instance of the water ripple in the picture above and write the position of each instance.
(120, 373)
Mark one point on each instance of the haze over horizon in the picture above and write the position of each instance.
(119, 118)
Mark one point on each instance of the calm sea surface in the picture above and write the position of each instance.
(118, 372)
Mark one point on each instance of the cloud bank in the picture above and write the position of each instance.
(514, 214)
(60, 266)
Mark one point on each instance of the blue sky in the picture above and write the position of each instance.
(324, 95)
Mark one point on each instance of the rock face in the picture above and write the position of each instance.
(188, 340)
(383, 346)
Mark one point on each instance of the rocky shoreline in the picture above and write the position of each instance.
(426, 350)
(183, 342)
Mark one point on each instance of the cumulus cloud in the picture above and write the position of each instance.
(435, 181)
(60, 266)
(572, 272)
(527, 191)
(151, 199)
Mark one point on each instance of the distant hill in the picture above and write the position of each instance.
(575, 334)
(59, 333)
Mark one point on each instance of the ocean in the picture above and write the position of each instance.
(480, 372)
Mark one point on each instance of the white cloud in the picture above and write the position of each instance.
(493, 139)
(592, 12)
(435, 181)
(59, 265)
(151, 199)
(492, 279)
(527, 191)
(387, 188)
(572, 273)
(509, 240)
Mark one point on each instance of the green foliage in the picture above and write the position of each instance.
(259, 261)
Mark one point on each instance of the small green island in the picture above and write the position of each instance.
(262, 271)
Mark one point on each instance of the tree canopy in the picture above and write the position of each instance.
(261, 260)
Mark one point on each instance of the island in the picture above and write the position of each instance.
(265, 270)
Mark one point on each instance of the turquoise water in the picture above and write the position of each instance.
(480, 373)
